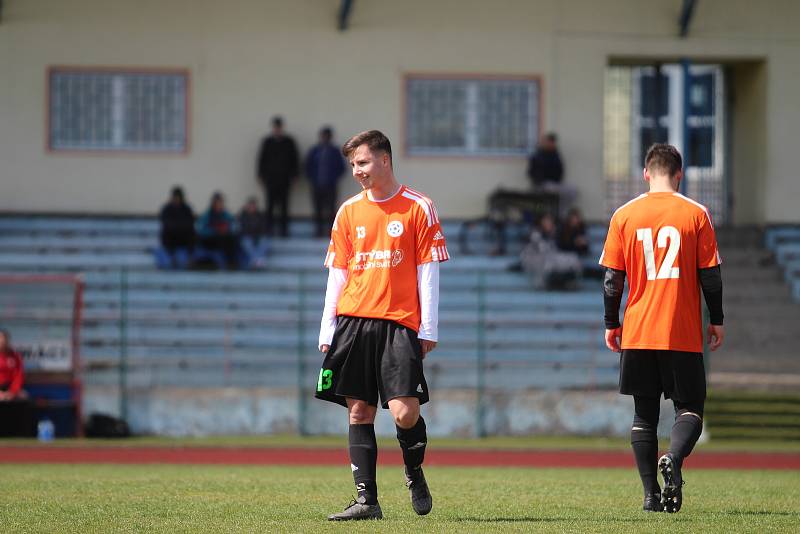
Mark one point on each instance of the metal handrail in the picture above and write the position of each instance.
(304, 352)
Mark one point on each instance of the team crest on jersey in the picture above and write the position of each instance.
(397, 257)
(394, 229)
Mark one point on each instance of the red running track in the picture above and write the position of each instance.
(324, 456)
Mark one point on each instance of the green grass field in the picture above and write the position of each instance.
(169, 498)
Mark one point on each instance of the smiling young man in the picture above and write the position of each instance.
(665, 244)
(380, 317)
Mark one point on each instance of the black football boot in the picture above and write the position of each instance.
(358, 510)
(421, 499)
(652, 503)
(672, 492)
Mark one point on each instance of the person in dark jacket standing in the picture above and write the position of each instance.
(177, 232)
(278, 164)
(324, 168)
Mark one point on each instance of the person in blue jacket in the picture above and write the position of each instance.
(324, 168)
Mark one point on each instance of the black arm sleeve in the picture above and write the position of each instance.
(613, 285)
(711, 282)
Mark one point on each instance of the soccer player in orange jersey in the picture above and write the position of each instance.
(380, 317)
(665, 244)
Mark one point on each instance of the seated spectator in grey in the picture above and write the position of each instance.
(217, 233)
(546, 171)
(549, 267)
(324, 168)
(572, 234)
(253, 235)
(177, 232)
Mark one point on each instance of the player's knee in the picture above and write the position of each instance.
(406, 416)
(361, 414)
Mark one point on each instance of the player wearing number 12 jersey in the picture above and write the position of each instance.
(665, 244)
(380, 317)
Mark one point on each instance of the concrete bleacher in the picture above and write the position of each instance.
(784, 243)
(256, 328)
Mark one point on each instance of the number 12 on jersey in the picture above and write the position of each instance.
(668, 269)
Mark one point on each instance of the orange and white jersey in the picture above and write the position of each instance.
(381, 243)
(660, 240)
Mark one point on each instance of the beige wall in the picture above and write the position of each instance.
(250, 59)
(748, 143)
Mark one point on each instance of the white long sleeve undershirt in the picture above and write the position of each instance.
(427, 287)
(337, 278)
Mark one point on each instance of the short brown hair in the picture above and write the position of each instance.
(663, 158)
(375, 141)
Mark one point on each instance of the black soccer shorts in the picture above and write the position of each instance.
(369, 358)
(681, 376)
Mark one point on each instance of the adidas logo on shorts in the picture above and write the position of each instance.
(419, 388)
(438, 235)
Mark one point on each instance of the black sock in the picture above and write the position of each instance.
(413, 442)
(644, 441)
(363, 461)
(685, 432)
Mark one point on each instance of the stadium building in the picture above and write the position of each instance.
(462, 88)
(105, 105)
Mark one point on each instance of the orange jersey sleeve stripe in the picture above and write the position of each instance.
(425, 204)
(427, 200)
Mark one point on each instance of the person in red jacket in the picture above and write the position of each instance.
(11, 372)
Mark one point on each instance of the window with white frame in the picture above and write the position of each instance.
(643, 106)
(704, 118)
(471, 117)
(118, 110)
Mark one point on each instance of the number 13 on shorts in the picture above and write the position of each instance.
(666, 233)
(325, 380)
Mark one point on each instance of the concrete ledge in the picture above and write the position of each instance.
(757, 381)
(246, 411)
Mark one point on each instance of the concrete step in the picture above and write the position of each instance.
(749, 256)
(740, 237)
(741, 292)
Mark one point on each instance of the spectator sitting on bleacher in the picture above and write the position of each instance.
(11, 372)
(218, 240)
(16, 408)
(253, 237)
(177, 232)
(549, 267)
(572, 234)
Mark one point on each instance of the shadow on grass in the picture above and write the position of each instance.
(754, 512)
(679, 517)
(539, 519)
